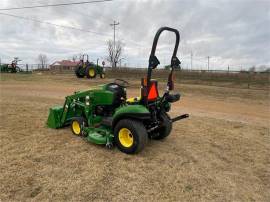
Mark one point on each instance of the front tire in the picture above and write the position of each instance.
(79, 72)
(77, 125)
(102, 75)
(130, 136)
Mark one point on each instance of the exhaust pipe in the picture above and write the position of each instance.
(178, 118)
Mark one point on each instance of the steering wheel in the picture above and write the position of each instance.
(121, 83)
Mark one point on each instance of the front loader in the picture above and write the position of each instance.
(104, 115)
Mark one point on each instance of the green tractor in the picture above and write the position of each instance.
(88, 69)
(104, 115)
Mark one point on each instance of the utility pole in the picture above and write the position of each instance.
(191, 54)
(208, 62)
(114, 24)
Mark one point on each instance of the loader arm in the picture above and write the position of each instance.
(62, 115)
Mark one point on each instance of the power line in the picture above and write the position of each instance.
(132, 42)
(54, 5)
(87, 15)
(67, 27)
(56, 25)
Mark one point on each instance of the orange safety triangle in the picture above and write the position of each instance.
(153, 94)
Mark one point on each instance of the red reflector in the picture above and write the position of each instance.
(153, 93)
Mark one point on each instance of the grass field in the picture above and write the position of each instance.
(221, 153)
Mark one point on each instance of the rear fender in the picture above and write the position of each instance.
(138, 112)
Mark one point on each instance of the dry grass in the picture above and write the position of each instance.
(220, 154)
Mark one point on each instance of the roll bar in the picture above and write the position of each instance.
(83, 56)
(153, 60)
(154, 46)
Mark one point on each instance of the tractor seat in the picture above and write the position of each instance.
(133, 100)
(152, 94)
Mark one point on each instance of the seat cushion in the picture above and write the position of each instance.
(134, 99)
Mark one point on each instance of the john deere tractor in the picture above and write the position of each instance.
(88, 69)
(103, 114)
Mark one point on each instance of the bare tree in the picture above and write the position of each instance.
(74, 58)
(43, 60)
(114, 53)
(252, 69)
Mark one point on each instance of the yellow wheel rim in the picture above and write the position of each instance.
(91, 72)
(76, 127)
(125, 137)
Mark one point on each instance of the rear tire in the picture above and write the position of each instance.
(77, 125)
(130, 136)
(79, 72)
(90, 72)
(165, 129)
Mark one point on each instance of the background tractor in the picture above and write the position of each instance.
(88, 69)
(10, 68)
(104, 115)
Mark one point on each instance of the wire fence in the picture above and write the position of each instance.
(217, 77)
(243, 79)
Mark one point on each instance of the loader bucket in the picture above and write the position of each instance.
(54, 119)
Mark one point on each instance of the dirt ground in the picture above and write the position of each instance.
(221, 153)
